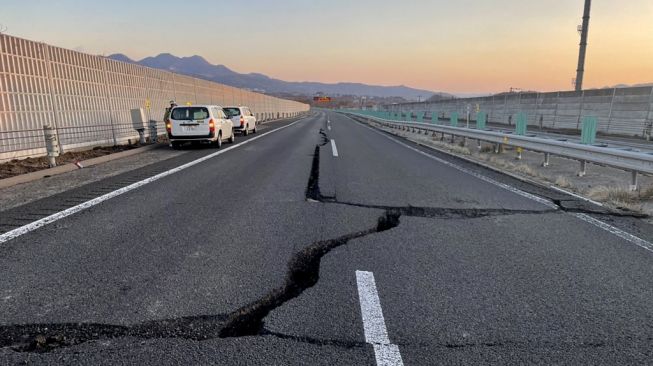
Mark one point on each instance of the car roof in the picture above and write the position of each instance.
(233, 106)
(199, 105)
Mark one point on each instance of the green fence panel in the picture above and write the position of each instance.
(521, 125)
(481, 120)
(588, 132)
(420, 116)
(453, 119)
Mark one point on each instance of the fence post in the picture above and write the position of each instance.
(53, 96)
(649, 118)
(555, 111)
(105, 73)
(614, 95)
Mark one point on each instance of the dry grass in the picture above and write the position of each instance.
(612, 194)
(525, 169)
(630, 206)
(563, 182)
(487, 149)
(647, 194)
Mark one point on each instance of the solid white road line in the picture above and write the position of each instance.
(576, 195)
(334, 149)
(598, 223)
(386, 354)
(616, 231)
(83, 206)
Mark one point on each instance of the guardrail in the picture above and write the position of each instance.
(633, 161)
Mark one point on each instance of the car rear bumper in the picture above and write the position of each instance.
(209, 137)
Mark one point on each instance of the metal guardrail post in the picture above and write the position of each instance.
(633, 180)
(583, 168)
(546, 160)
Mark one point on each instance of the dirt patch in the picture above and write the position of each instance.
(24, 166)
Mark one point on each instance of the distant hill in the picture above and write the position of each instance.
(199, 67)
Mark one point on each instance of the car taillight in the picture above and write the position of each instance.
(242, 121)
(211, 125)
(169, 127)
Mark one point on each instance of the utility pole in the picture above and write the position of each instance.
(583, 45)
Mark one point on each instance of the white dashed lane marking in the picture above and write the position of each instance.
(376, 334)
(334, 149)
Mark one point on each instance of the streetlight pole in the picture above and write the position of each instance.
(583, 46)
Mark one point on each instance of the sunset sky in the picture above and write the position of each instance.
(442, 45)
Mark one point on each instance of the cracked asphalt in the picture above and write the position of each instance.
(249, 258)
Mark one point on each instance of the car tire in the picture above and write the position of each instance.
(175, 145)
(245, 131)
(254, 130)
(232, 138)
(218, 142)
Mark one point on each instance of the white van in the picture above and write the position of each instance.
(199, 123)
(242, 118)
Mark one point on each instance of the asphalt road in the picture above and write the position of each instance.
(323, 242)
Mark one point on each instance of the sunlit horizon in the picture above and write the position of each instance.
(467, 47)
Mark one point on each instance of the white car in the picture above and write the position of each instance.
(242, 118)
(199, 123)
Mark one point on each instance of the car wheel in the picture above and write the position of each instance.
(254, 130)
(218, 142)
(232, 138)
(175, 145)
(246, 131)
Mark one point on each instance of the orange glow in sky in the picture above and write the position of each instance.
(463, 46)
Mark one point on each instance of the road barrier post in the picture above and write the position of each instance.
(153, 132)
(546, 160)
(583, 168)
(51, 144)
(633, 180)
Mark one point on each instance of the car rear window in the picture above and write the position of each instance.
(232, 112)
(190, 113)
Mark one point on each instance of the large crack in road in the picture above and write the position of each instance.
(303, 272)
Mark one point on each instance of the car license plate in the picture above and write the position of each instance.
(189, 128)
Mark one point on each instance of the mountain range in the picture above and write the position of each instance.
(197, 66)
